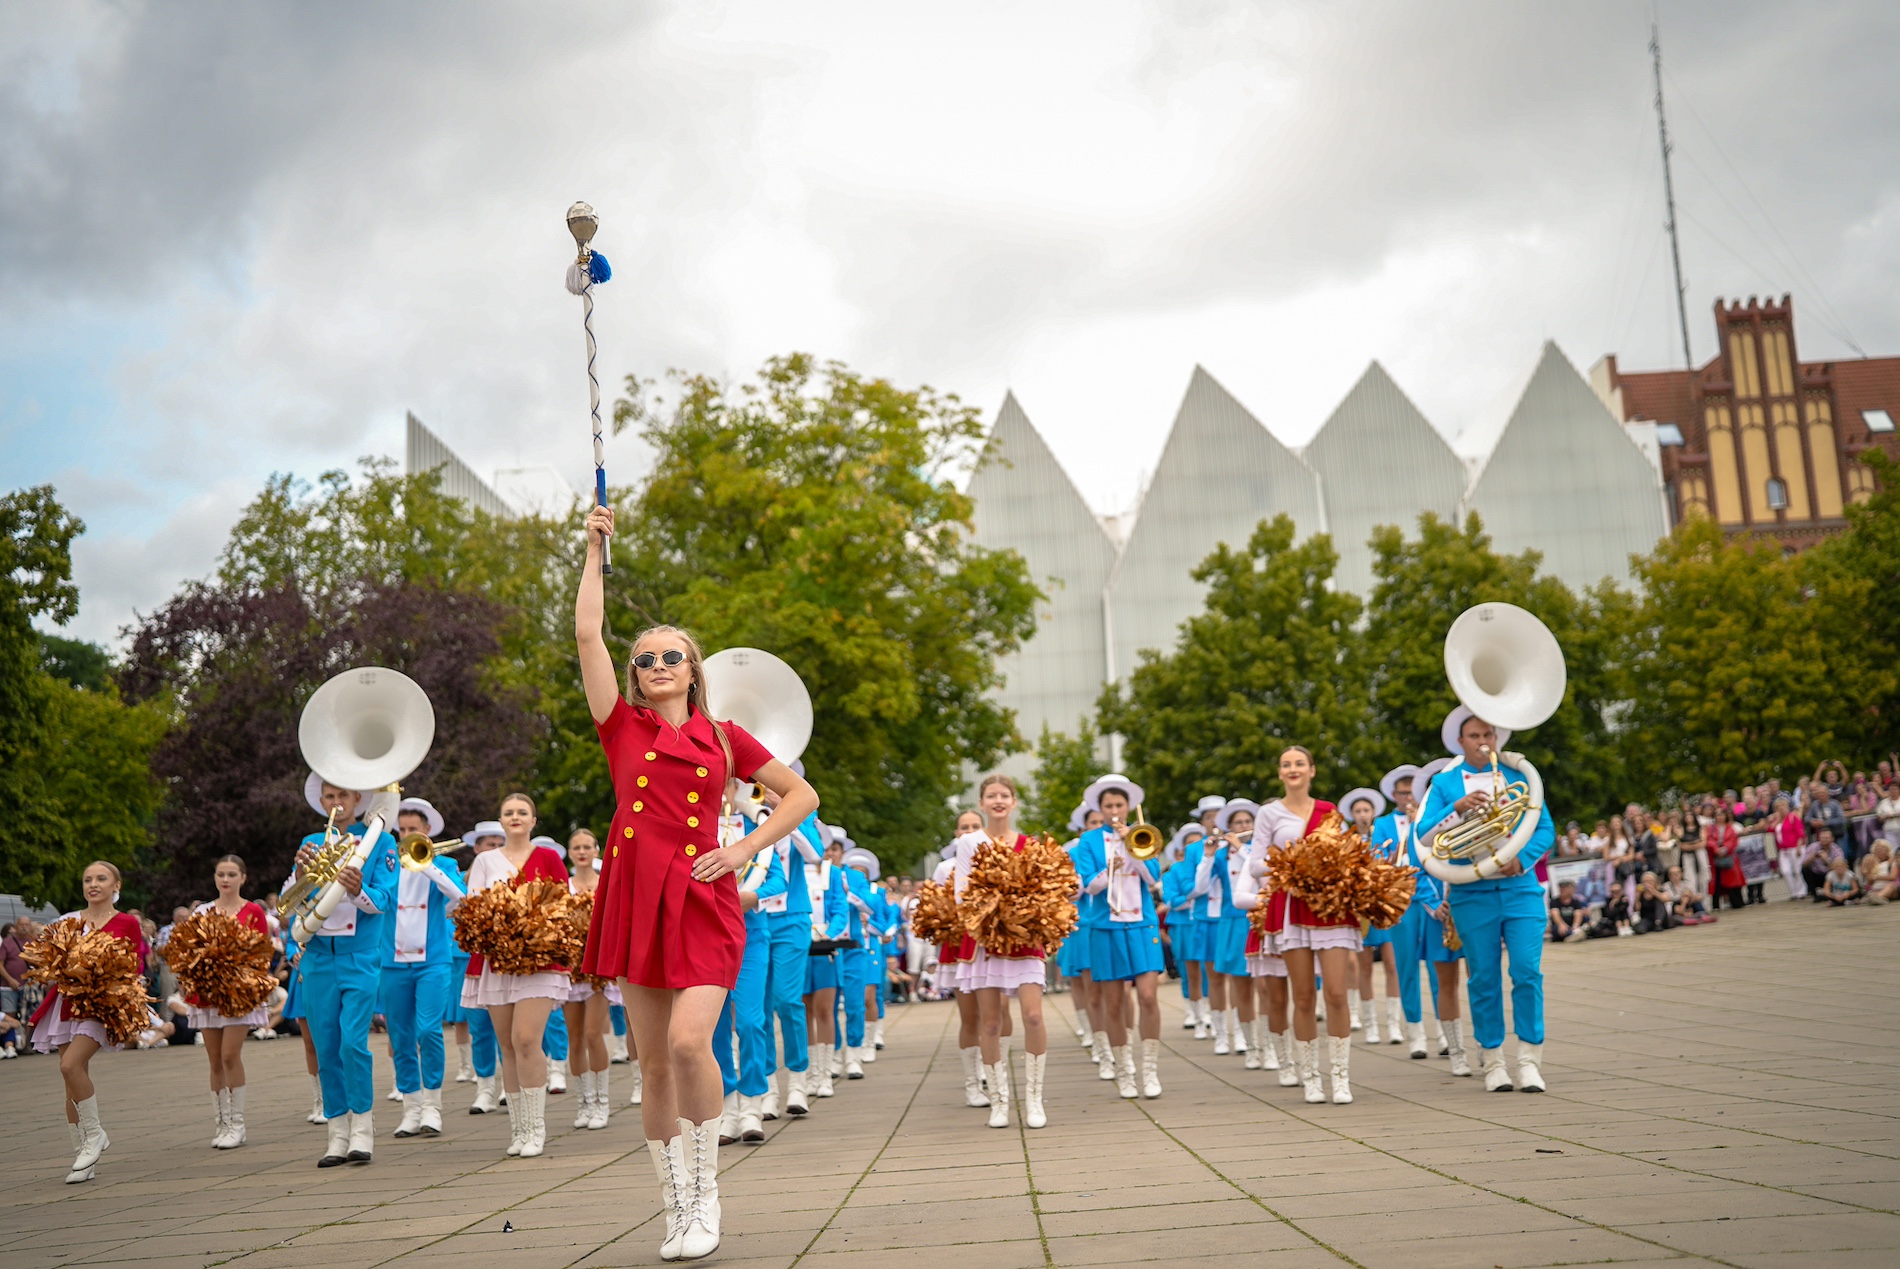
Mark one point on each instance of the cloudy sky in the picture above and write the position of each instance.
(238, 239)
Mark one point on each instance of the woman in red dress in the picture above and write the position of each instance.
(224, 1037)
(666, 916)
(56, 1027)
(1297, 935)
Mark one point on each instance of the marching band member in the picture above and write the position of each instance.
(992, 978)
(1177, 884)
(669, 922)
(1496, 916)
(1227, 850)
(224, 1037)
(418, 956)
(824, 882)
(853, 968)
(878, 959)
(743, 1115)
(484, 1049)
(1124, 939)
(585, 1009)
(1364, 807)
(518, 1005)
(1308, 945)
(1072, 958)
(789, 917)
(57, 1029)
(1420, 933)
(338, 977)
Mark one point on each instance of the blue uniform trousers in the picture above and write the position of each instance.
(879, 980)
(1418, 936)
(617, 1015)
(554, 1035)
(745, 1012)
(413, 996)
(853, 978)
(339, 998)
(785, 986)
(484, 1052)
(1493, 922)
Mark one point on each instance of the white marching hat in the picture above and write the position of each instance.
(486, 828)
(1233, 807)
(1092, 796)
(422, 807)
(858, 857)
(1076, 817)
(313, 794)
(1388, 783)
(1454, 721)
(1426, 772)
(1364, 795)
(835, 835)
(550, 843)
(1178, 844)
(1212, 802)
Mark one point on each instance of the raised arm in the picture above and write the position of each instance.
(590, 615)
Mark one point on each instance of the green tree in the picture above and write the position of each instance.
(1743, 666)
(1867, 557)
(76, 662)
(1064, 767)
(73, 762)
(804, 513)
(1421, 587)
(1273, 661)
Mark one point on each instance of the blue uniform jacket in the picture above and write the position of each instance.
(1177, 890)
(1429, 891)
(1447, 787)
(757, 920)
(440, 948)
(797, 897)
(838, 912)
(379, 885)
(1091, 861)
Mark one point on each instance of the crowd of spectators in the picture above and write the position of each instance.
(1831, 838)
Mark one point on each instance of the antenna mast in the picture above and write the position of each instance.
(1669, 191)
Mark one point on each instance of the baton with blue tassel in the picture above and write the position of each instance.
(589, 270)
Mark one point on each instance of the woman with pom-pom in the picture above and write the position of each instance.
(1308, 944)
(224, 1037)
(587, 1005)
(518, 1004)
(667, 919)
(58, 1028)
(993, 977)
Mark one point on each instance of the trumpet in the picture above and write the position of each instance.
(415, 851)
(1144, 840)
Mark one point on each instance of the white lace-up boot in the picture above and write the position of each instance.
(821, 1063)
(221, 1117)
(1104, 1056)
(516, 1128)
(234, 1120)
(464, 1062)
(1203, 1027)
(999, 1095)
(1394, 1021)
(1255, 1056)
(1369, 1020)
(1289, 1069)
(1083, 1032)
(74, 1175)
(584, 1108)
(1530, 1068)
(1125, 1071)
(535, 1139)
(616, 1049)
(1455, 1046)
(1435, 1036)
(316, 1103)
(972, 1058)
(1033, 1114)
(668, 1168)
(1236, 1031)
(1307, 1053)
(603, 1101)
(1151, 1068)
(1221, 1047)
(699, 1151)
(1341, 1050)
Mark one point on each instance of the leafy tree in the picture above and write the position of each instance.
(1421, 587)
(76, 662)
(804, 513)
(1744, 665)
(1273, 661)
(238, 665)
(72, 763)
(1867, 554)
(1065, 765)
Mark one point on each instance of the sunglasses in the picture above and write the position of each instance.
(669, 658)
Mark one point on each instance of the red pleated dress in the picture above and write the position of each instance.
(653, 924)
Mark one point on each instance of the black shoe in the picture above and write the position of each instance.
(359, 1156)
(332, 1161)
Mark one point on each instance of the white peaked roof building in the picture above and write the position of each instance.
(1220, 475)
(1380, 462)
(1554, 472)
(1025, 501)
(1565, 479)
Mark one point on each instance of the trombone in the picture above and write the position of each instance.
(1143, 840)
(416, 852)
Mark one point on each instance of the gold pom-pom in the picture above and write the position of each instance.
(1338, 875)
(1018, 900)
(220, 962)
(523, 929)
(935, 918)
(97, 975)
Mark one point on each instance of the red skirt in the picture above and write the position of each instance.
(1283, 910)
(653, 924)
(966, 952)
(952, 953)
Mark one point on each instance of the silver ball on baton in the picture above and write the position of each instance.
(583, 224)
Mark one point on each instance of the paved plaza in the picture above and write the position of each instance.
(1722, 1095)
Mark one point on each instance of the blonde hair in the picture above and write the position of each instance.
(118, 879)
(696, 691)
(522, 797)
(999, 778)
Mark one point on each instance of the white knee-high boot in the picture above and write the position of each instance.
(699, 1151)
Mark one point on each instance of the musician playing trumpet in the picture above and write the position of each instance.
(1118, 911)
(1498, 916)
